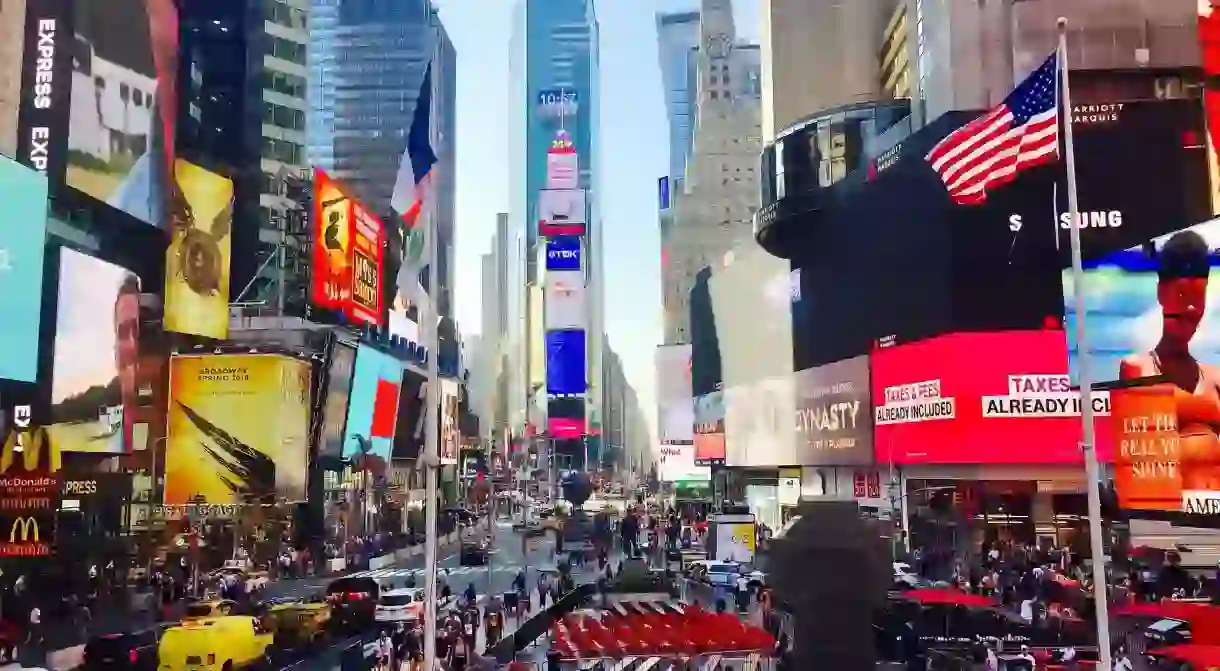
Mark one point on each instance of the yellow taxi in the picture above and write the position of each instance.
(214, 644)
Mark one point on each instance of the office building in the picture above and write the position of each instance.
(678, 47)
(711, 210)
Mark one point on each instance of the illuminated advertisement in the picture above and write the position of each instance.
(46, 71)
(559, 103)
(759, 424)
(348, 243)
(450, 441)
(954, 399)
(1208, 27)
(536, 336)
(678, 463)
(561, 212)
(123, 106)
(411, 424)
(238, 429)
(675, 401)
(709, 429)
(566, 363)
(96, 376)
(22, 242)
(566, 306)
(197, 261)
(563, 253)
(29, 488)
(834, 418)
(562, 163)
(372, 411)
(339, 374)
(565, 428)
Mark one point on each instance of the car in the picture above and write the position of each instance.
(132, 651)
(716, 573)
(905, 577)
(475, 553)
(400, 605)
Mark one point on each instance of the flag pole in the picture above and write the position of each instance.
(1092, 469)
(430, 313)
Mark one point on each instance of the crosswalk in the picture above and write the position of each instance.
(418, 573)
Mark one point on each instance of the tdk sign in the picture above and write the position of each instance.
(563, 253)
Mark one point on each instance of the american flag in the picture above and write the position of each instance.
(1021, 132)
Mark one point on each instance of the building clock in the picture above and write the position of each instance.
(719, 45)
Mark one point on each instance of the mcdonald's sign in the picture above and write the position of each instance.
(26, 538)
(30, 443)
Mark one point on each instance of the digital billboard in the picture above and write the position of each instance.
(238, 429)
(562, 162)
(675, 402)
(96, 377)
(678, 463)
(759, 424)
(124, 106)
(339, 372)
(46, 73)
(348, 254)
(565, 428)
(450, 439)
(372, 410)
(563, 253)
(558, 103)
(566, 306)
(561, 212)
(22, 243)
(834, 418)
(1000, 397)
(709, 429)
(410, 427)
(197, 262)
(566, 362)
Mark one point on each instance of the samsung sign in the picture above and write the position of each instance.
(563, 254)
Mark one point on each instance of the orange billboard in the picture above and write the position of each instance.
(348, 242)
(1151, 469)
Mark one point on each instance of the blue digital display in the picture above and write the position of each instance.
(24, 193)
(566, 362)
(563, 253)
(663, 193)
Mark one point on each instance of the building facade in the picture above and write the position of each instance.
(12, 41)
(678, 49)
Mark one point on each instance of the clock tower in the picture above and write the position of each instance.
(718, 37)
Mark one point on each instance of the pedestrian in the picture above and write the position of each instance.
(385, 650)
(743, 594)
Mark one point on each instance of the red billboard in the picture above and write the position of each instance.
(1000, 397)
(347, 254)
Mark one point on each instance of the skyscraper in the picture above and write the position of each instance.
(678, 47)
(553, 65)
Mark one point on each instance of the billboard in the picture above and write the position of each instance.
(675, 401)
(536, 336)
(124, 106)
(678, 463)
(197, 261)
(558, 103)
(564, 428)
(834, 414)
(29, 488)
(1000, 397)
(450, 439)
(562, 162)
(372, 410)
(46, 71)
(563, 253)
(339, 372)
(238, 428)
(709, 429)
(561, 212)
(24, 192)
(566, 307)
(95, 377)
(759, 426)
(566, 362)
(348, 253)
(410, 427)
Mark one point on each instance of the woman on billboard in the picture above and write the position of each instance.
(1183, 268)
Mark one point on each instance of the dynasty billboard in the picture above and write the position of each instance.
(834, 423)
(1000, 397)
(238, 428)
(197, 262)
(24, 192)
(348, 253)
(124, 106)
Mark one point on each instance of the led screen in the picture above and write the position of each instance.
(565, 362)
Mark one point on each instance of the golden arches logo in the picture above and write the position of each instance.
(25, 530)
(30, 444)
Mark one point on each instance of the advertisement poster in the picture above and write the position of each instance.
(562, 163)
(338, 391)
(678, 463)
(372, 411)
(348, 249)
(450, 437)
(124, 105)
(197, 262)
(96, 375)
(566, 364)
(566, 307)
(565, 428)
(30, 482)
(759, 423)
(561, 212)
(999, 397)
(675, 401)
(22, 243)
(46, 82)
(1155, 467)
(709, 429)
(735, 538)
(411, 426)
(563, 254)
(238, 429)
(834, 418)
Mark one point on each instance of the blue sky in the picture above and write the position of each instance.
(635, 153)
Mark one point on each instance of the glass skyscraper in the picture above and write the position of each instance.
(678, 46)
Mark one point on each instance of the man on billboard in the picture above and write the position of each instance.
(1182, 274)
(127, 358)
